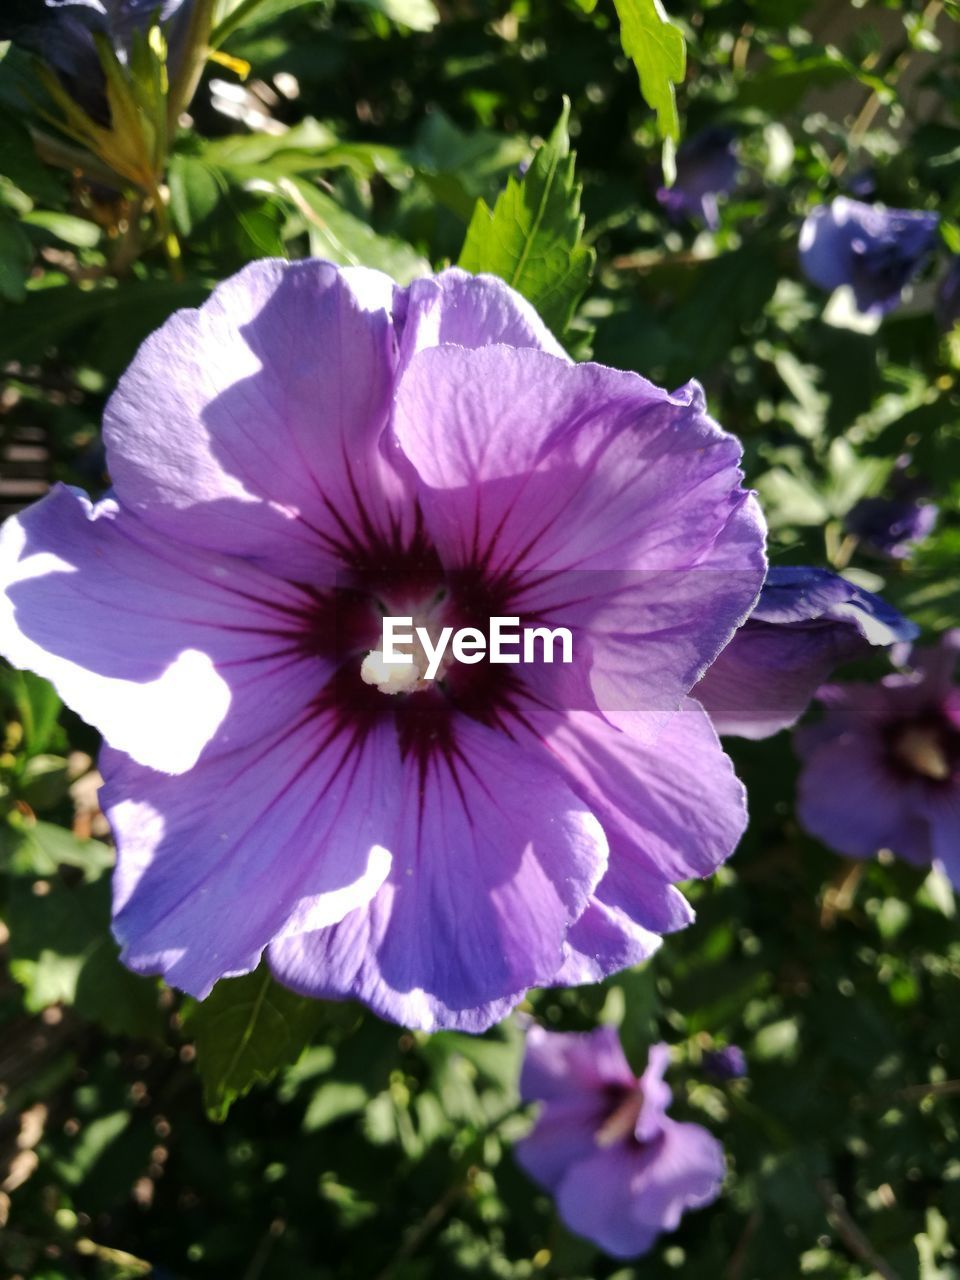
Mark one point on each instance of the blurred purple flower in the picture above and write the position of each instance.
(806, 622)
(874, 250)
(892, 526)
(882, 769)
(621, 1170)
(862, 184)
(62, 33)
(948, 297)
(707, 167)
(729, 1063)
(315, 447)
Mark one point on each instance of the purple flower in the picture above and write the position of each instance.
(892, 527)
(874, 250)
(806, 622)
(315, 447)
(707, 167)
(621, 1170)
(882, 769)
(729, 1063)
(62, 32)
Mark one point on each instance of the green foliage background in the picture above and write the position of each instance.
(263, 1137)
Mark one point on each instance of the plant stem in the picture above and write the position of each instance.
(171, 245)
(184, 84)
(856, 1243)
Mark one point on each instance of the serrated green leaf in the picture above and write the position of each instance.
(246, 1030)
(532, 236)
(658, 51)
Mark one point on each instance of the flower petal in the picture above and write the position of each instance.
(941, 808)
(624, 1197)
(561, 1064)
(161, 642)
(285, 835)
(266, 441)
(806, 622)
(498, 855)
(459, 309)
(611, 506)
(847, 798)
(565, 1132)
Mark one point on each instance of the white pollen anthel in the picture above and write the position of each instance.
(425, 656)
(390, 677)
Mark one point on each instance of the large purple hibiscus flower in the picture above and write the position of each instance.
(316, 448)
(882, 769)
(621, 1169)
(807, 622)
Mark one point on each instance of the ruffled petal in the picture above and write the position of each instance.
(162, 642)
(253, 425)
(285, 835)
(806, 622)
(494, 860)
(458, 309)
(624, 1197)
(673, 810)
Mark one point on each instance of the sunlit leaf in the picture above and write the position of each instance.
(533, 236)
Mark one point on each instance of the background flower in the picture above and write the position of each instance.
(62, 33)
(621, 1170)
(708, 166)
(728, 1063)
(806, 623)
(882, 769)
(875, 250)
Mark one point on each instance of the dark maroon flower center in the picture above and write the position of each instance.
(925, 746)
(345, 625)
(620, 1117)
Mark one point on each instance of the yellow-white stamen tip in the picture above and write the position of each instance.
(389, 677)
(922, 750)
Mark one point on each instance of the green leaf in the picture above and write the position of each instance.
(61, 952)
(36, 705)
(782, 85)
(658, 51)
(196, 188)
(343, 238)
(40, 848)
(418, 15)
(460, 167)
(246, 1030)
(79, 232)
(251, 13)
(16, 259)
(127, 312)
(532, 238)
